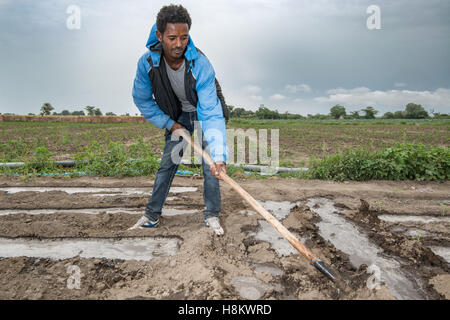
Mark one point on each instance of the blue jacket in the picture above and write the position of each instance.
(209, 108)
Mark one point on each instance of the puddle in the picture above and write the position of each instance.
(177, 211)
(97, 192)
(72, 190)
(248, 212)
(398, 229)
(166, 211)
(268, 233)
(81, 211)
(270, 268)
(421, 219)
(279, 210)
(58, 249)
(443, 252)
(346, 237)
(416, 233)
(252, 288)
(182, 189)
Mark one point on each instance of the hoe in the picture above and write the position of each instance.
(297, 244)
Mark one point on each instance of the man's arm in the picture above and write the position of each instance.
(143, 97)
(210, 112)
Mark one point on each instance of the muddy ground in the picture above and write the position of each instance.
(238, 265)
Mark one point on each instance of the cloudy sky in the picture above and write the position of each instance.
(297, 56)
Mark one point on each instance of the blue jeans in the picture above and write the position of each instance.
(168, 168)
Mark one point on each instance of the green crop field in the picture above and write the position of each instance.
(300, 141)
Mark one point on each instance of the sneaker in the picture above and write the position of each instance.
(150, 224)
(145, 222)
(214, 223)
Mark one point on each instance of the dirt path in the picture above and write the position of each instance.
(250, 261)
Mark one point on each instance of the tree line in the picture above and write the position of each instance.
(411, 111)
(47, 109)
(262, 113)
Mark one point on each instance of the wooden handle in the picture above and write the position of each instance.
(297, 244)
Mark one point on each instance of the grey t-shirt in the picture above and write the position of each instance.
(176, 78)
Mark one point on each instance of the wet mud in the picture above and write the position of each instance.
(396, 258)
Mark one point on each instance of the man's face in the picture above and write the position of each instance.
(174, 40)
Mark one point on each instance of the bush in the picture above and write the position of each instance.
(113, 160)
(39, 163)
(402, 162)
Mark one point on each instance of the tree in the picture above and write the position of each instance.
(90, 110)
(318, 116)
(266, 113)
(415, 111)
(438, 115)
(65, 113)
(97, 112)
(355, 114)
(110, 114)
(238, 112)
(337, 111)
(370, 112)
(78, 113)
(399, 115)
(46, 109)
(388, 115)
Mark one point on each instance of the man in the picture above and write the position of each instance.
(175, 86)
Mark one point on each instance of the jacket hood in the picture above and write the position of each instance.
(152, 39)
(155, 49)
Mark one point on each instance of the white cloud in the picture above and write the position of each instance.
(252, 89)
(358, 90)
(277, 96)
(292, 88)
(399, 98)
(256, 98)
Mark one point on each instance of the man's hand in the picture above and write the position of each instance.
(176, 126)
(217, 169)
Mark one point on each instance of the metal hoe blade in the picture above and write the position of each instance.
(325, 269)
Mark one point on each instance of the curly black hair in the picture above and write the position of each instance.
(172, 14)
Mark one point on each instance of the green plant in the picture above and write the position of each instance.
(114, 160)
(402, 162)
(444, 208)
(418, 236)
(67, 139)
(40, 162)
(294, 175)
(379, 205)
